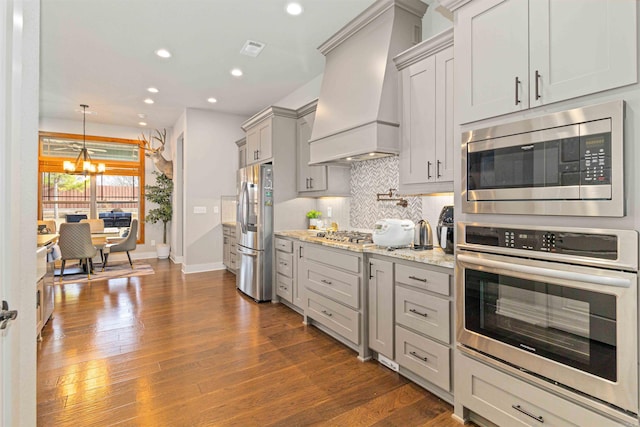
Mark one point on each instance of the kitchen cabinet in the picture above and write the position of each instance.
(317, 180)
(509, 401)
(288, 260)
(380, 296)
(229, 250)
(242, 152)
(265, 129)
(512, 55)
(334, 297)
(427, 125)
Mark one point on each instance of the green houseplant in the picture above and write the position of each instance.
(313, 216)
(160, 194)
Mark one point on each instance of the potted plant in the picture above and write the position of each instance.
(160, 194)
(313, 216)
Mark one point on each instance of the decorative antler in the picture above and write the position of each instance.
(163, 165)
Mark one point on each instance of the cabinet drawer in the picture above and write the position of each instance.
(337, 285)
(424, 357)
(424, 279)
(504, 399)
(284, 245)
(337, 317)
(284, 287)
(424, 313)
(284, 263)
(340, 259)
(233, 259)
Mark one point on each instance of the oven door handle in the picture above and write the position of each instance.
(556, 274)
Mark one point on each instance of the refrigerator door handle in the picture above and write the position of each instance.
(245, 251)
(243, 207)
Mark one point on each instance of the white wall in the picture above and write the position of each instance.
(436, 20)
(303, 95)
(210, 164)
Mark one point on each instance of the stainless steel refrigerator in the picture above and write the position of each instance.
(254, 231)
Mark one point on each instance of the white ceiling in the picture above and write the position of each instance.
(101, 52)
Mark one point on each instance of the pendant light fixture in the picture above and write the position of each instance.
(83, 164)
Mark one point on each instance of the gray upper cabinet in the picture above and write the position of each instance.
(513, 55)
(259, 140)
(242, 152)
(427, 124)
(317, 180)
(270, 126)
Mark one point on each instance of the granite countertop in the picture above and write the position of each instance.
(435, 256)
(229, 224)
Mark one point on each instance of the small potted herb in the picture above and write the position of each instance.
(313, 217)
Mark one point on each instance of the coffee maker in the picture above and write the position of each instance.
(445, 229)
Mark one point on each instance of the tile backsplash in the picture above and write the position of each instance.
(377, 176)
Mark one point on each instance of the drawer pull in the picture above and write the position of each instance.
(417, 356)
(284, 288)
(418, 279)
(327, 282)
(283, 263)
(413, 310)
(327, 313)
(528, 414)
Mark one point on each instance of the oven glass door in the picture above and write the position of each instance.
(575, 327)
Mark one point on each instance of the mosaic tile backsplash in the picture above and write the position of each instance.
(377, 176)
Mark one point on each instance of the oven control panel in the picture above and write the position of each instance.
(592, 245)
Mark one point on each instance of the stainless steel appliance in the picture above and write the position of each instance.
(566, 163)
(254, 231)
(445, 229)
(424, 236)
(558, 304)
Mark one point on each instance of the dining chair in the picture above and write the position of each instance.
(75, 243)
(126, 245)
(50, 224)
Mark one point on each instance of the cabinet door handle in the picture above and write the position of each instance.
(517, 83)
(528, 414)
(307, 183)
(537, 85)
(418, 279)
(413, 310)
(417, 356)
(428, 170)
(300, 252)
(310, 182)
(328, 282)
(327, 313)
(438, 169)
(370, 270)
(257, 154)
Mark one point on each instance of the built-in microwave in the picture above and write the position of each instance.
(565, 163)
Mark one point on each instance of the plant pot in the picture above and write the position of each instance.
(162, 249)
(313, 223)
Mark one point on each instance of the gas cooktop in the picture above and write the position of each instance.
(347, 236)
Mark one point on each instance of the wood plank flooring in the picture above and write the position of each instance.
(175, 350)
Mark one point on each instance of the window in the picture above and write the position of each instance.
(68, 197)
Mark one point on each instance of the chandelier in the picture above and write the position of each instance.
(83, 164)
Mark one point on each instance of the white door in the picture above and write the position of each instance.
(580, 47)
(492, 59)
(19, 63)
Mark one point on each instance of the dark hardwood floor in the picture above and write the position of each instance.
(174, 350)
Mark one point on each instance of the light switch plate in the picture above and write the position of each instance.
(216, 209)
(199, 209)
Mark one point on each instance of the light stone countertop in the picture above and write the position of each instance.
(434, 256)
(229, 224)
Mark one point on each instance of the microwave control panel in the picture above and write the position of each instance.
(590, 245)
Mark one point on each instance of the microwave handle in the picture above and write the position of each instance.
(555, 274)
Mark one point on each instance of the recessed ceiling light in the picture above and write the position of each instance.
(148, 101)
(142, 115)
(212, 100)
(237, 72)
(372, 154)
(294, 9)
(349, 158)
(163, 53)
(142, 123)
(153, 89)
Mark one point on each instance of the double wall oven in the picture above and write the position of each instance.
(555, 302)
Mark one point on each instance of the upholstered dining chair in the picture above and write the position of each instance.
(97, 225)
(126, 245)
(75, 243)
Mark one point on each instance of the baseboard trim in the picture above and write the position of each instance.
(201, 268)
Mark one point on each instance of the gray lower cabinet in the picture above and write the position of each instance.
(229, 248)
(287, 255)
(381, 307)
(333, 294)
(509, 401)
(410, 320)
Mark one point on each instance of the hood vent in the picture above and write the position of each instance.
(357, 114)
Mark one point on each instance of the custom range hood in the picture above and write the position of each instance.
(357, 114)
